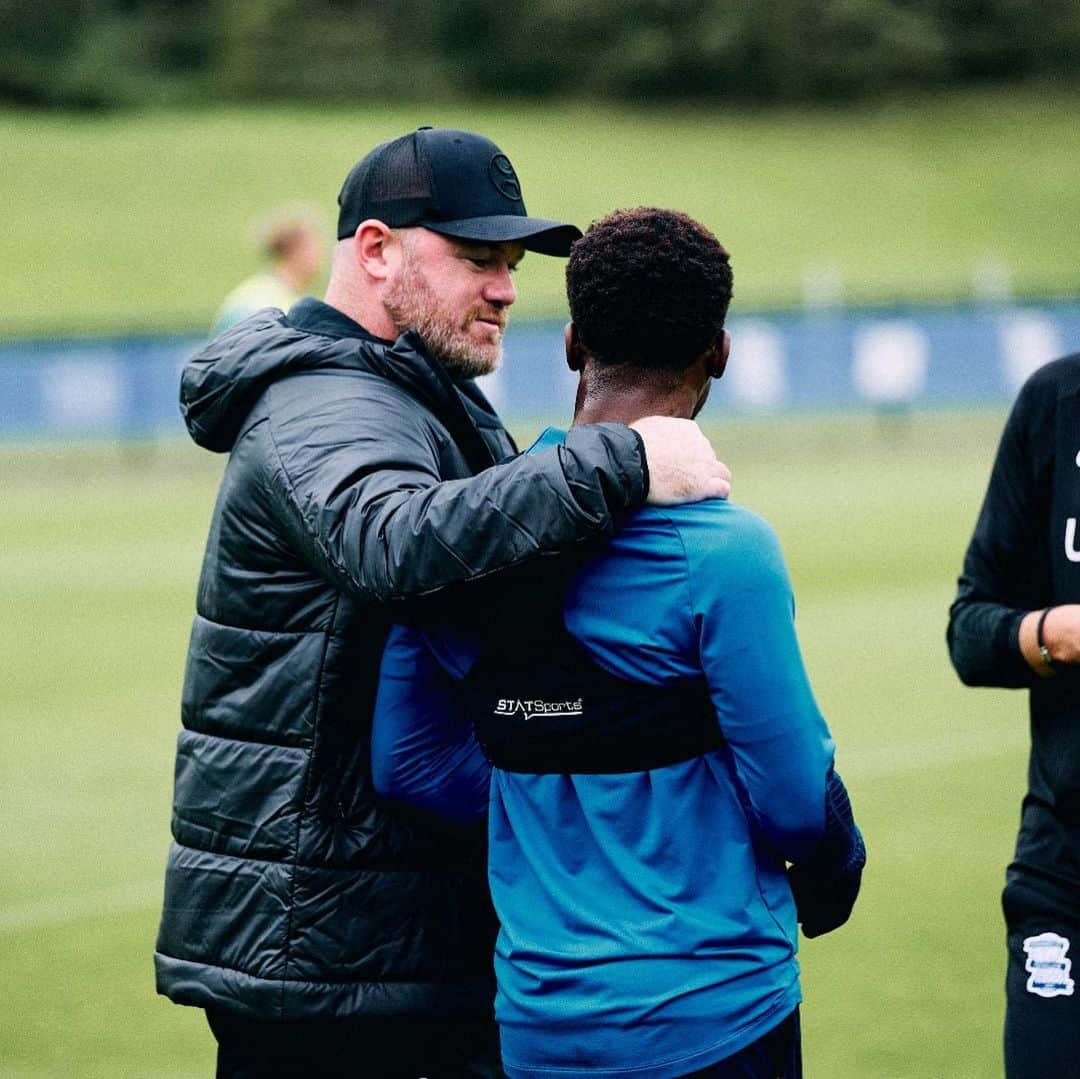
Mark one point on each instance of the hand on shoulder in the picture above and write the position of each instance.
(683, 466)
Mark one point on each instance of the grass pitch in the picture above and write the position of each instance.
(133, 221)
(99, 555)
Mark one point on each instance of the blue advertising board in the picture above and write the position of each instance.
(800, 360)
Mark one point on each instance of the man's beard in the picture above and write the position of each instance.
(411, 303)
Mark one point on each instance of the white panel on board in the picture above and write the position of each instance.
(493, 387)
(1028, 340)
(80, 395)
(756, 375)
(890, 362)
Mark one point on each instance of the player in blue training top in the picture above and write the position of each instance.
(655, 755)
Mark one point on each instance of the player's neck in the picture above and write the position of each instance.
(624, 393)
(634, 403)
(620, 394)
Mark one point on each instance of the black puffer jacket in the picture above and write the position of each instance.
(292, 891)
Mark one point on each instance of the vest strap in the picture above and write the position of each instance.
(561, 713)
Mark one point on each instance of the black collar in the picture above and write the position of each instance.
(460, 406)
(314, 316)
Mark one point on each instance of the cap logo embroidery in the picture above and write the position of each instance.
(504, 178)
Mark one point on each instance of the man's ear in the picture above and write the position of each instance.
(575, 351)
(718, 356)
(376, 249)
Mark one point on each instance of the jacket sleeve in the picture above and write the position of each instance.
(779, 743)
(1003, 566)
(357, 480)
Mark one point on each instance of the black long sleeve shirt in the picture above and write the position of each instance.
(1024, 555)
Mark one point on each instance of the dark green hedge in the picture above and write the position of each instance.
(107, 53)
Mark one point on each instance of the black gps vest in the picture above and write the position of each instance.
(545, 707)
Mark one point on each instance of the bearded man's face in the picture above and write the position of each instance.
(457, 295)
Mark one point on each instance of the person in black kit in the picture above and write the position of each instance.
(1016, 623)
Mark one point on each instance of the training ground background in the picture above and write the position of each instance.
(99, 553)
(123, 223)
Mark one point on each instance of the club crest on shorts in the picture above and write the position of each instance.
(1048, 966)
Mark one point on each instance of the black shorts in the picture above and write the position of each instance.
(775, 1055)
(1042, 1003)
(379, 1047)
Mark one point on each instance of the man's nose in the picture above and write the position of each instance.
(500, 287)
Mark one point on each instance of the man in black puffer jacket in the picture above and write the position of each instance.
(324, 931)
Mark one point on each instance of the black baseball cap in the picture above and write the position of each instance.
(452, 182)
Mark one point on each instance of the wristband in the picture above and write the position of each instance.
(1044, 652)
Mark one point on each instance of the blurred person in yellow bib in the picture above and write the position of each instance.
(293, 246)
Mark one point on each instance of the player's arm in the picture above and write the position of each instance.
(779, 742)
(991, 633)
(423, 750)
(826, 883)
(358, 488)
(780, 745)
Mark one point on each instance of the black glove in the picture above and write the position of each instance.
(826, 884)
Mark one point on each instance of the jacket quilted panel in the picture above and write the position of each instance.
(362, 486)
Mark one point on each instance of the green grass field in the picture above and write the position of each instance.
(99, 554)
(139, 221)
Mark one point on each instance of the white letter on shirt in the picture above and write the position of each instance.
(1071, 553)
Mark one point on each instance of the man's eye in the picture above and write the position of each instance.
(485, 262)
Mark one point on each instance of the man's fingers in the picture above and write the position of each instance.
(722, 480)
(682, 464)
(720, 485)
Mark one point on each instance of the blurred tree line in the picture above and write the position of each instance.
(122, 53)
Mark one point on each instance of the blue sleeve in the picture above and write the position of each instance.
(780, 745)
(423, 750)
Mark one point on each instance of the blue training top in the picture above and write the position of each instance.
(647, 926)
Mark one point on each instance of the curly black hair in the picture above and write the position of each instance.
(649, 287)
